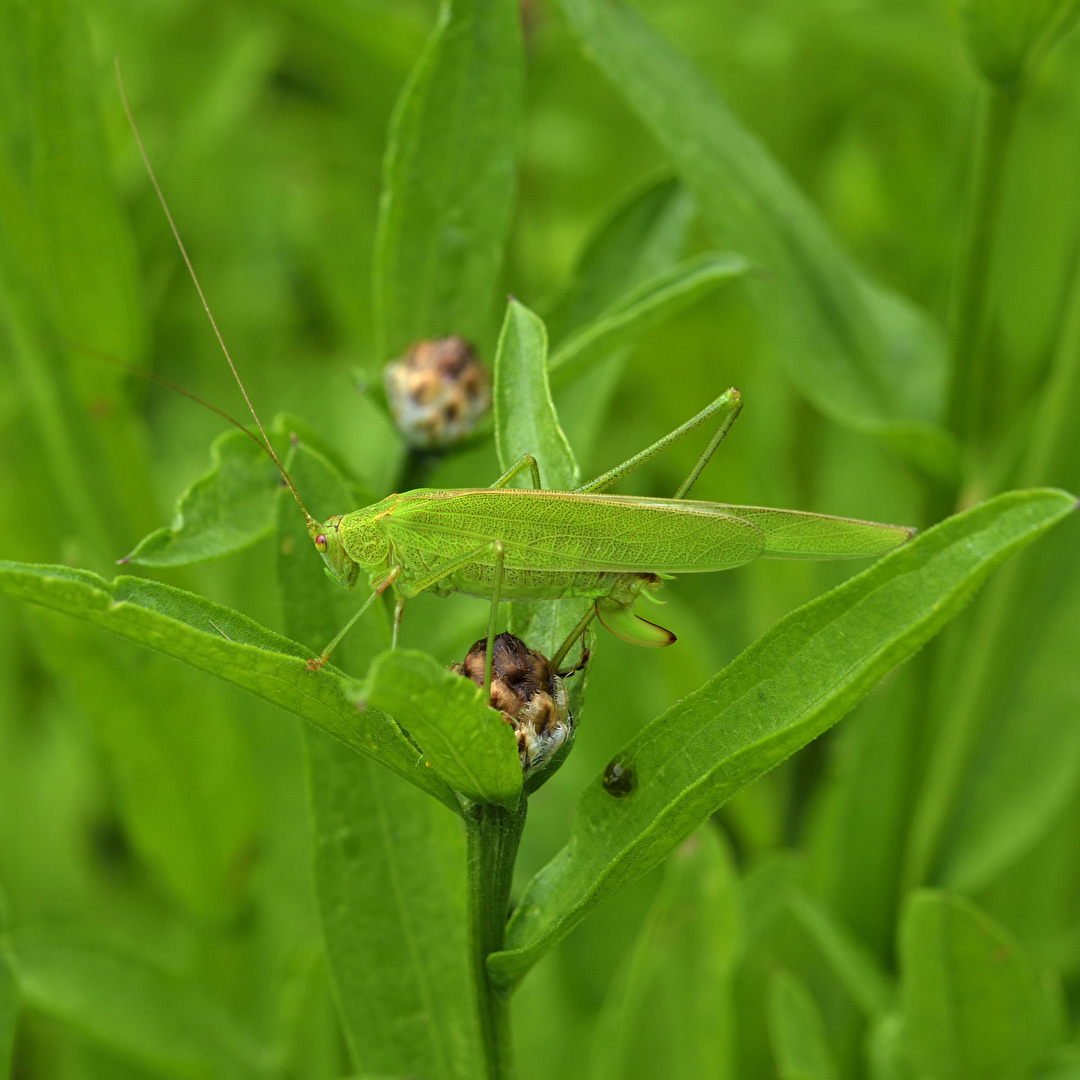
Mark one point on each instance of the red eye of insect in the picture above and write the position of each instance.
(320, 542)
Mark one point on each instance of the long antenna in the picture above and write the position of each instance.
(209, 314)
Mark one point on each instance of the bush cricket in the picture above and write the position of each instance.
(521, 544)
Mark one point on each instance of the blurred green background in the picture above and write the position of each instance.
(145, 803)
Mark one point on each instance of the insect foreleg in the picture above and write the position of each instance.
(314, 665)
(526, 461)
(727, 406)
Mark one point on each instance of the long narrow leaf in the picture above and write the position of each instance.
(390, 879)
(449, 178)
(526, 422)
(788, 687)
(647, 306)
(227, 644)
(388, 861)
(129, 1002)
(861, 357)
(972, 1002)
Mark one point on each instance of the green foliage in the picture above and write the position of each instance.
(800, 1044)
(449, 178)
(786, 689)
(1007, 37)
(972, 1004)
(467, 743)
(131, 1003)
(227, 510)
(235, 867)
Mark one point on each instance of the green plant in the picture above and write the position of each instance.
(897, 901)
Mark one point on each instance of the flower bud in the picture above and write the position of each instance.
(527, 691)
(1007, 39)
(437, 391)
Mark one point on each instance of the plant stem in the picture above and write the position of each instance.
(492, 836)
(970, 323)
(987, 647)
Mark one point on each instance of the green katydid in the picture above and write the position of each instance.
(516, 544)
(521, 544)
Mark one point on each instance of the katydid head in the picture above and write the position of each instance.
(328, 543)
(353, 542)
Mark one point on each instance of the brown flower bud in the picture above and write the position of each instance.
(528, 692)
(437, 391)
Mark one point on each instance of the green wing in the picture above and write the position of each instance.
(795, 534)
(559, 531)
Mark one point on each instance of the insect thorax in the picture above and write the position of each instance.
(363, 536)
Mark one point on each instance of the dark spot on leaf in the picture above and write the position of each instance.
(619, 778)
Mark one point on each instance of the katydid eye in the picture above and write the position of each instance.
(320, 542)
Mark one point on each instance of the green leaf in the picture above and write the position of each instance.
(9, 1015)
(792, 684)
(227, 644)
(641, 237)
(885, 1049)
(1007, 38)
(526, 422)
(469, 744)
(177, 759)
(854, 966)
(797, 1030)
(231, 507)
(644, 307)
(69, 274)
(389, 861)
(856, 837)
(226, 510)
(92, 258)
(972, 1004)
(129, 1002)
(525, 419)
(390, 879)
(670, 1010)
(1027, 765)
(815, 299)
(449, 178)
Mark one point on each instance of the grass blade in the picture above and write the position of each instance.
(797, 1028)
